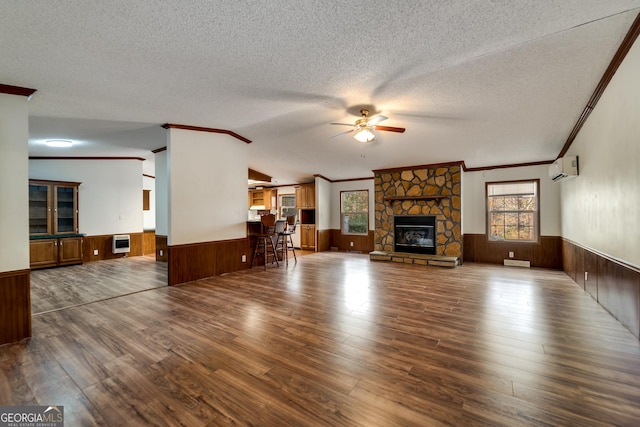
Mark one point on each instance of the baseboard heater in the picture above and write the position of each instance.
(121, 243)
(517, 263)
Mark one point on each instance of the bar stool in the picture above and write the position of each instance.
(265, 240)
(285, 241)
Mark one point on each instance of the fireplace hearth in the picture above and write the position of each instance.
(415, 234)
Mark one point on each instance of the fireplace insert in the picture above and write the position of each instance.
(415, 234)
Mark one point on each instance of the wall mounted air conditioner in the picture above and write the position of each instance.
(565, 167)
(121, 243)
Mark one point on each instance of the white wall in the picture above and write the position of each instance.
(110, 196)
(14, 185)
(162, 193)
(207, 187)
(323, 203)
(474, 193)
(337, 187)
(149, 183)
(601, 207)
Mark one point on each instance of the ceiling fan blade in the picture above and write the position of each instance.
(340, 134)
(342, 124)
(390, 129)
(377, 119)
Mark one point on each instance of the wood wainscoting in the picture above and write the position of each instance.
(162, 247)
(613, 284)
(104, 245)
(15, 306)
(546, 254)
(199, 260)
(342, 242)
(323, 240)
(148, 242)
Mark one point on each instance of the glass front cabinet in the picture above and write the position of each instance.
(53, 224)
(53, 208)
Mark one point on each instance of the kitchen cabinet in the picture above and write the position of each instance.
(307, 237)
(269, 199)
(306, 203)
(306, 196)
(55, 252)
(53, 207)
(261, 198)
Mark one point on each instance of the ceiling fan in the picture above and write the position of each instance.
(365, 126)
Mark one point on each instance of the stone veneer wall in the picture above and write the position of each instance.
(442, 180)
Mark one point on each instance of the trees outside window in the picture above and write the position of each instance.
(354, 212)
(513, 211)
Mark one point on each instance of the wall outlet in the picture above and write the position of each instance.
(161, 252)
(511, 254)
(95, 252)
(586, 276)
(244, 258)
(350, 243)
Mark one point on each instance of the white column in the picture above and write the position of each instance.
(14, 183)
(207, 187)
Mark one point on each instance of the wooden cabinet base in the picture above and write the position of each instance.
(43, 253)
(307, 237)
(55, 252)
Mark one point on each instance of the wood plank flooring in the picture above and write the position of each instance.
(335, 340)
(58, 288)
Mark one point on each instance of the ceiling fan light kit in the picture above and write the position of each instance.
(365, 126)
(364, 135)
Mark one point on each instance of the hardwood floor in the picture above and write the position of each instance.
(335, 340)
(57, 288)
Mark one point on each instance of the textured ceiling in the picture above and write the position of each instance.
(487, 82)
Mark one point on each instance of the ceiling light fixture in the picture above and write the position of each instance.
(61, 143)
(364, 135)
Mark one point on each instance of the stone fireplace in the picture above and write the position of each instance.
(419, 191)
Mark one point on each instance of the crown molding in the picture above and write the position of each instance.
(366, 178)
(432, 165)
(17, 90)
(513, 165)
(83, 158)
(204, 129)
(621, 53)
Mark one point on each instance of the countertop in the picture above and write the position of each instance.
(56, 236)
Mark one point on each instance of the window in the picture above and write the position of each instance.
(513, 211)
(287, 205)
(354, 212)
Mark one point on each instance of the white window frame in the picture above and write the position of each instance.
(344, 216)
(509, 189)
(292, 210)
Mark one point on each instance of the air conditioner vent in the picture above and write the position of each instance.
(121, 243)
(562, 168)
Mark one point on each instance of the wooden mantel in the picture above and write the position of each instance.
(391, 199)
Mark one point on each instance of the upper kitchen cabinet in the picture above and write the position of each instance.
(261, 199)
(306, 196)
(53, 207)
